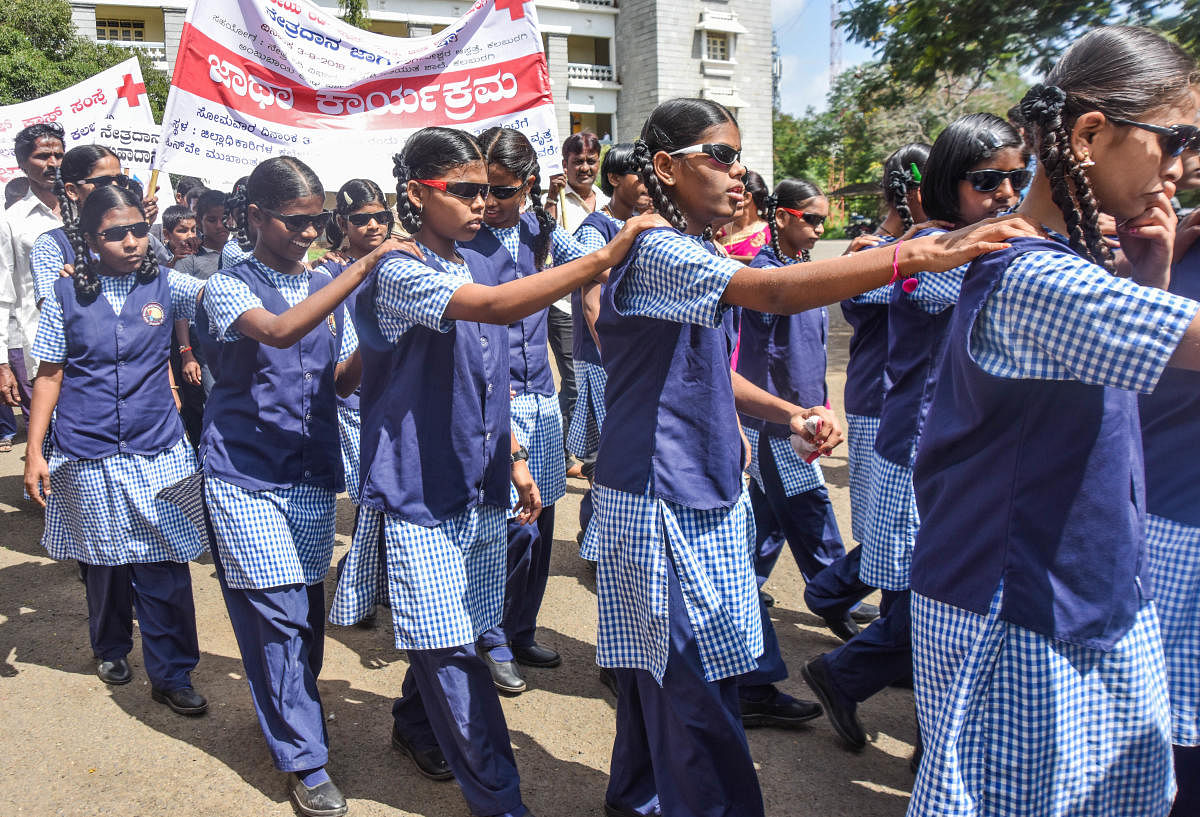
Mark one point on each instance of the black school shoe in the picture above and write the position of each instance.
(841, 710)
(430, 762)
(183, 701)
(320, 801)
(535, 655)
(844, 628)
(504, 674)
(114, 672)
(778, 709)
(865, 613)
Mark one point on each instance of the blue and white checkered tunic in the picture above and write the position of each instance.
(675, 278)
(445, 583)
(796, 475)
(537, 423)
(592, 239)
(860, 452)
(563, 248)
(1016, 723)
(105, 512)
(583, 437)
(349, 435)
(45, 263)
(232, 254)
(269, 538)
(1173, 551)
(881, 296)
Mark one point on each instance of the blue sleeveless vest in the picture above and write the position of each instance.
(783, 354)
(64, 244)
(1171, 423)
(271, 420)
(528, 352)
(116, 395)
(1036, 483)
(865, 385)
(583, 346)
(916, 341)
(435, 413)
(336, 268)
(671, 423)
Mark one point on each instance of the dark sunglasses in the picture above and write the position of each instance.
(299, 222)
(725, 154)
(382, 217)
(506, 192)
(1175, 139)
(985, 181)
(140, 229)
(119, 179)
(813, 220)
(462, 190)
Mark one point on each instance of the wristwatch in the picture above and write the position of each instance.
(520, 454)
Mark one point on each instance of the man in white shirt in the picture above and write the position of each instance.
(570, 198)
(39, 152)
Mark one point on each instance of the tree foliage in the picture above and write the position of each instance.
(40, 53)
(355, 12)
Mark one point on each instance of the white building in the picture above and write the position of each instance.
(611, 61)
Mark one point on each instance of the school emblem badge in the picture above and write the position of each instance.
(153, 314)
(332, 324)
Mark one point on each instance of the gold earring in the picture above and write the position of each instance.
(1087, 160)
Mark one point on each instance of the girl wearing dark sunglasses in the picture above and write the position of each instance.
(1033, 577)
(117, 441)
(439, 458)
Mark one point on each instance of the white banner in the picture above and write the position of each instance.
(262, 78)
(110, 108)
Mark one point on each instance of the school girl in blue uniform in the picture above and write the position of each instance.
(679, 608)
(104, 340)
(272, 467)
(1039, 670)
(622, 183)
(438, 458)
(832, 592)
(974, 171)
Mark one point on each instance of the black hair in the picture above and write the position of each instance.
(964, 143)
(235, 210)
(186, 184)
(758, 190)
(582, 142)
(790, 193)
(76, 166)
(103, 199)
(351, 196)
(672, 125)
(899, 178)
(273, 184)
(428, 154)
(27, 138)
(1121, 71)
(619, 161)
(209, 200)
(175, 214)
(512, 150)
(15, 190)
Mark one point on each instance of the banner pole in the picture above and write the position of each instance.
(153, 182)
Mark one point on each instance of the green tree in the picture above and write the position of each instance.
(40, 53)
(355, 12)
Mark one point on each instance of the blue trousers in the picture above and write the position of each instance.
(162, 592)
(586, 509)
(771, 667)
(805, 521)
(879, 655)
(448, 700)
(835, 591)
(1187, 775)
(681, 745)
(281, 634)
(529, 549)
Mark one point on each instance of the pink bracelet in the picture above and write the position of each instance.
(910, 283)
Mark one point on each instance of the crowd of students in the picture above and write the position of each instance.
(1018, 395)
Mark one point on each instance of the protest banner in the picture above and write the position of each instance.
(110, 108)
(261, 78)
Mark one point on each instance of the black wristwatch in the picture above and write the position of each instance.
(520, 454)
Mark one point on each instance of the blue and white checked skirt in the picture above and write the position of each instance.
(1015, 723)
(445, 584)
(106, 512)
(795, 475)
(892, 511)
(537, 422)
(860, 451)
(349, 434)
(583, 437)
(1174, 556)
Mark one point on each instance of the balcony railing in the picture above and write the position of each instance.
(606, 3)
(600, 73)
(156, 51)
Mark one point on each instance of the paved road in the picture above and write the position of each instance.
(73, 746)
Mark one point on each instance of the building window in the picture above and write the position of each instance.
(716, 46)
(126, 30)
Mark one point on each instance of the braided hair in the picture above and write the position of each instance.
(901, 176)
(618, 161)
(672, 125)
(76, 166)
(1121, 71)
(235, 208)
(428, 154)
(758, 190)
(352, 195)
(964, 143)
(512, 150)
(790, 193)
(103, 199)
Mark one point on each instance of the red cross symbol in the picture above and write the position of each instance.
(131, 91)
(515, 8)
